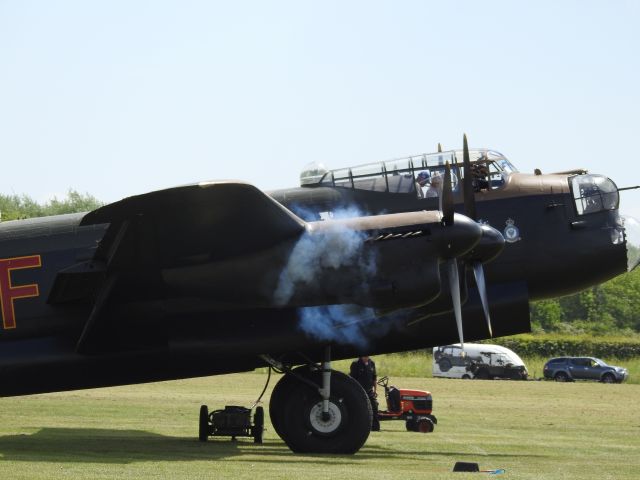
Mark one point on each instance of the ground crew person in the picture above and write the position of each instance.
(364, 371)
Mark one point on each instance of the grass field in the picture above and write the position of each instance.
(534, 430)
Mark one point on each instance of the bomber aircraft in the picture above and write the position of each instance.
(219, 277)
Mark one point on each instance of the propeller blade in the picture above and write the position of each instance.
(439, 148)
(454, 287)
(446, 199)
(469, 195)
(478, 272)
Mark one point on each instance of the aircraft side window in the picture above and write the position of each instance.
(496, 177)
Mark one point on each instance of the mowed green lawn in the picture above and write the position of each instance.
(534, 430)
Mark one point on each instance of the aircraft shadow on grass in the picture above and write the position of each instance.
(76, 445)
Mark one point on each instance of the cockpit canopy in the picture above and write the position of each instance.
(401, 175)
(594, 193)
(312, 173)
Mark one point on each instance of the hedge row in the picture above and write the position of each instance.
(528, 346)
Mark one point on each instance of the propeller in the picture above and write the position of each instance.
(447, 209)
(454, 288)
(478, 273)
(491, 242)
(469, 195)
(446, 199)
(489, 246)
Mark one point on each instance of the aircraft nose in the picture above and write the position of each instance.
(632, 236)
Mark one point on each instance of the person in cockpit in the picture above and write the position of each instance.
(435, 188)
(480, 174)
(422, 180)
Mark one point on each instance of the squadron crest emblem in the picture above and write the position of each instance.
(511, 232)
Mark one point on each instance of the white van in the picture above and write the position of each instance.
(477, 361)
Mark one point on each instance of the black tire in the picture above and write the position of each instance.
(203, 427)
(561, 377)
(258, 425)
(410, 425)
(425, 425)
(466, 376)
(482, 374)
(278, 398)
(608, 378)
(345, 432)
(444, 364)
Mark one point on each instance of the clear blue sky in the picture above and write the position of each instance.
(117, 98)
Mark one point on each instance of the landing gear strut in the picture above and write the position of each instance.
(320, 411)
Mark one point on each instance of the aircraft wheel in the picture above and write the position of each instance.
(258, 425)
(278, 397)
(304, 428)
(203, 427)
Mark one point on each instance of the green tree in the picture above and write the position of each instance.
(546, 315)
(14, 207)
(612, 307)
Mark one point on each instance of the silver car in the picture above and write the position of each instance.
(567, 369)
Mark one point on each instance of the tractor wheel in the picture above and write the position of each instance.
(203, 428)
(410, 425)
(305, 429)
(425, 425)
(561, 377)
(258, 425)
(608, 378)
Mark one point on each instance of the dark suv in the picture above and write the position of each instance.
(567, 369)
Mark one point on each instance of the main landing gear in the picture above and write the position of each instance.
(318, 410)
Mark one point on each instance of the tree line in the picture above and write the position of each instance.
(15, 207)
(610, 308)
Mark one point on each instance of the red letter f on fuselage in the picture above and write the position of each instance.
(8, 293)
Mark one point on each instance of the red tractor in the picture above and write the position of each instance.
(413, 406)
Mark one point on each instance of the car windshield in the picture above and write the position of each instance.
(600, 362)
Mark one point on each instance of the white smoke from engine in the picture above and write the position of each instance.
(336, 248)
(314, 255)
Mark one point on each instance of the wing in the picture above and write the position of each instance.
(216, 219)
(178, 226)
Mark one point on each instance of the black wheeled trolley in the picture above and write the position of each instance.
(232, 422)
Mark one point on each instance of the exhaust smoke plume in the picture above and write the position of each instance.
(316, 254)
(346, 324)
(323, 253)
